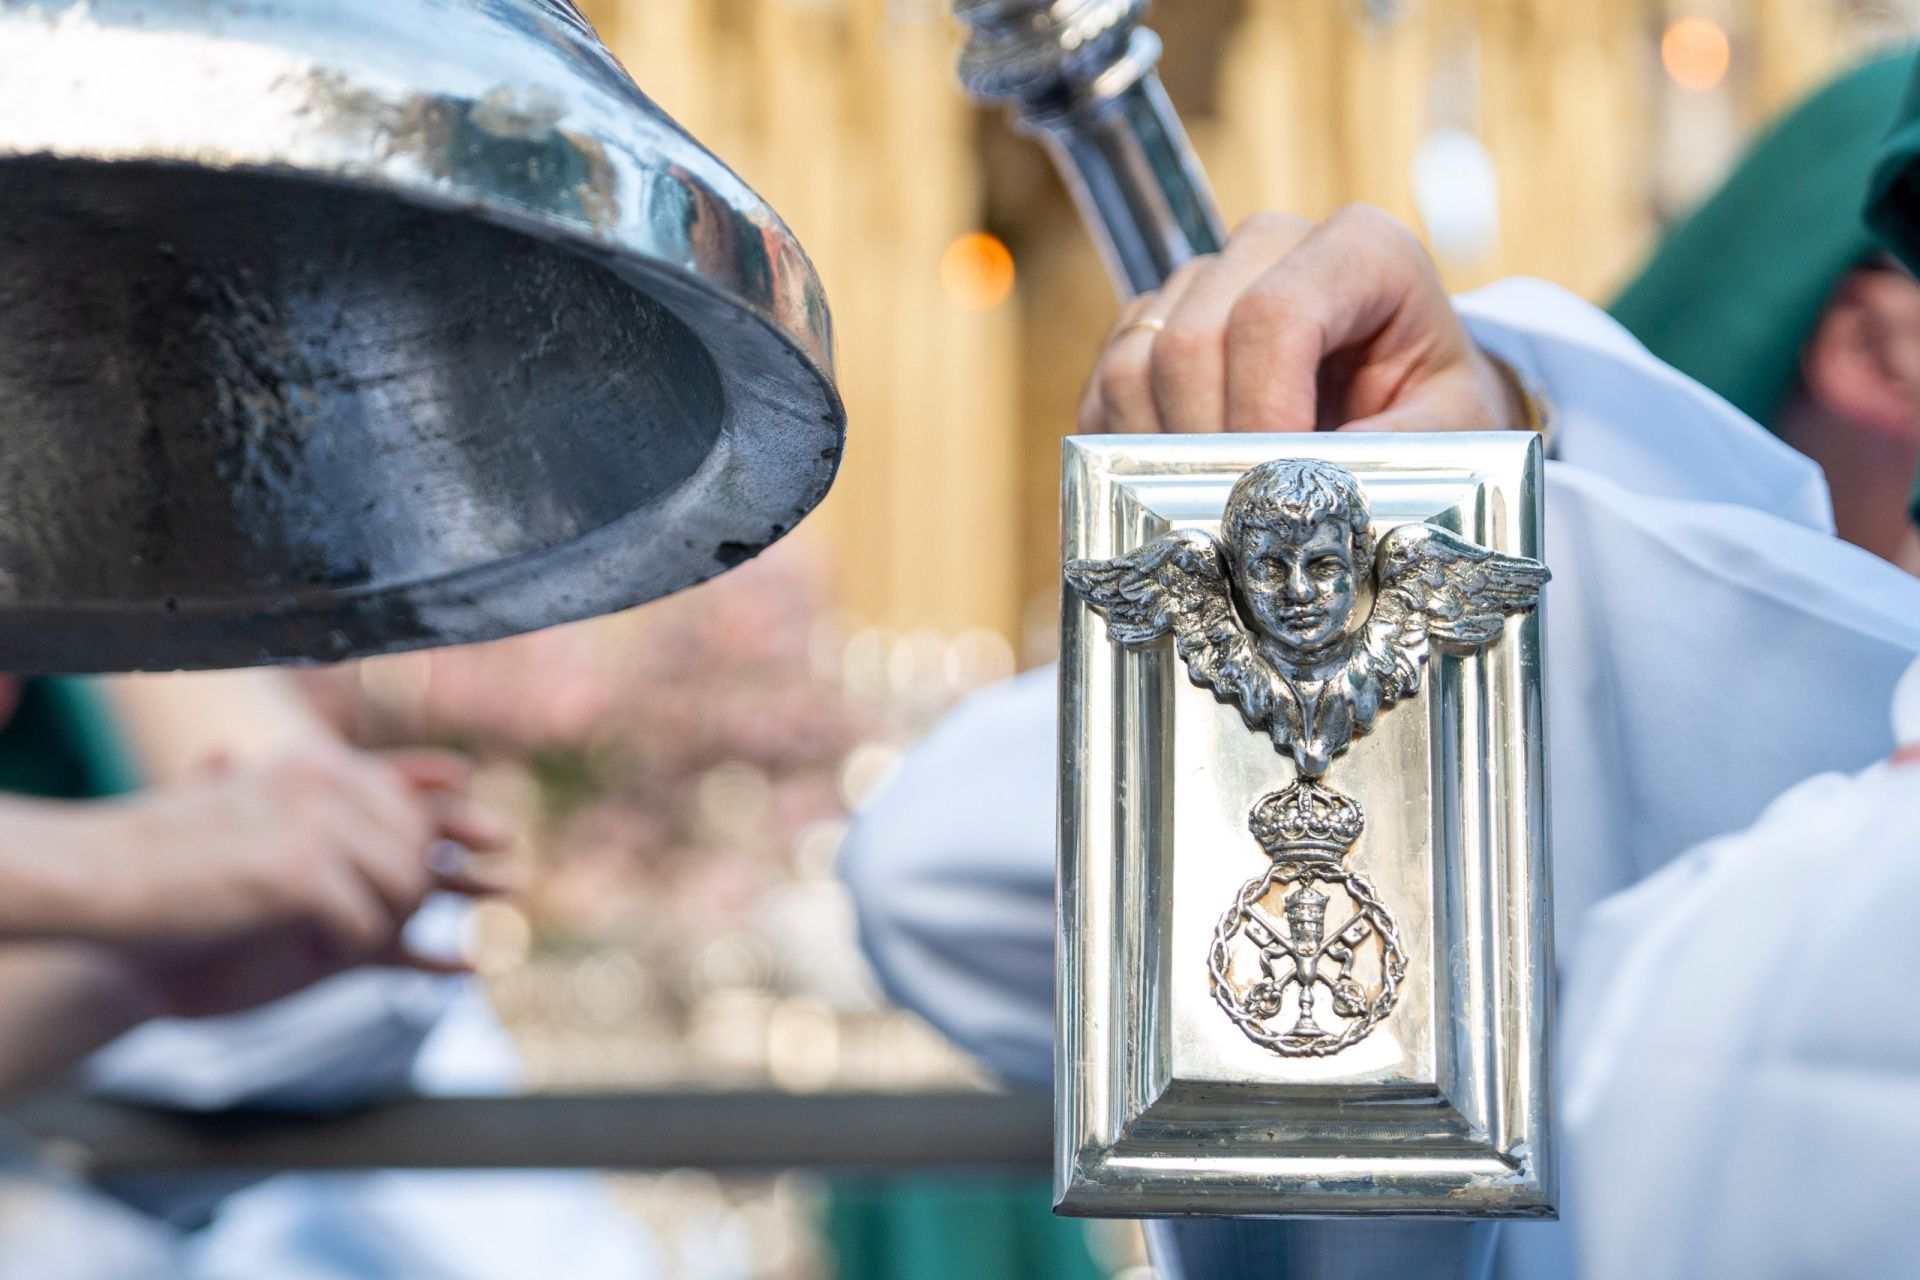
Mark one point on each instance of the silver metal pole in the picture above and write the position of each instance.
(1079, 75)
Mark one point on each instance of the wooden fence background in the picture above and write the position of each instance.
(845, 114)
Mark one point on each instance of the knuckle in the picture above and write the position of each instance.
(1263, 309)
(298, 772)
(1269, 224)
(315, 770)
(1276, 313)
(312, 821)
(1371, 222)
(311, 861)
(1364, 219)
(1361, 214)
(372, 772)
(1182, 342)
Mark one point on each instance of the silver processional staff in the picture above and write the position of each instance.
(1079, 74)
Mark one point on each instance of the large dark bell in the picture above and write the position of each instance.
(331, 329)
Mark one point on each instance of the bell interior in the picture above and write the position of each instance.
(247, 391)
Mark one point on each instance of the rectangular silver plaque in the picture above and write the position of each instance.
(1305, 950)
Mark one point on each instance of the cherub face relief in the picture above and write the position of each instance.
(1276, 599)
(1299, 591)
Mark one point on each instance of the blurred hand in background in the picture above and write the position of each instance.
(260, 881)
(240, 876)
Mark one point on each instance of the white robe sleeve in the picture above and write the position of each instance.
(951, 868)
(1620, 414)
(1701, 659)
(1740, 1051)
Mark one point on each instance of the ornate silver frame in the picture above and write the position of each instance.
(1163, 1106)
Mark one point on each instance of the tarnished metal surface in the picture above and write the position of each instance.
(1364, 1029)
(330, 329)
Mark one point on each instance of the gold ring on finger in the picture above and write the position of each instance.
(1146, 324)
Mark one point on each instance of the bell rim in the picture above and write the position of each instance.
(177, 634)
(783, 449)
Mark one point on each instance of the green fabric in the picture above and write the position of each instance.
(61, 743)
(1893, 197)
(1893, 194)
(954, 1228)
(1733, 293)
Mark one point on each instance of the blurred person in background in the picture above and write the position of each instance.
(248, 921)
(1712, 645)
(265, 857)
(1739, 1042)
(1775, 294)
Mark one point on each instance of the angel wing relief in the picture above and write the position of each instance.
(1270, 617)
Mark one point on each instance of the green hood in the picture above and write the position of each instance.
(1734, 292)
(1893, 197)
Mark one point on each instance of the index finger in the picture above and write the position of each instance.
(1119, 396)
(1341, 287)
(1189, 367)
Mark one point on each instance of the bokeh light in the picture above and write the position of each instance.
(499, 937)
(1457, 190)
(1696, 53)
(976, 271)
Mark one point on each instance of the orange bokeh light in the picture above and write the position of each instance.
(976, 270)
(1696, 53)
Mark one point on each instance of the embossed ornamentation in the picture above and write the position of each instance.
(1273, 955)
(1308, 665)
(1297, 617)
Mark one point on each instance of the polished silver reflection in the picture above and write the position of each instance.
(1307, 831)
(1383, 959)
(1310, 666)
(1079, 75)
(329, 329)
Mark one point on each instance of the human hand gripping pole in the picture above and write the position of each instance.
(1219, 333)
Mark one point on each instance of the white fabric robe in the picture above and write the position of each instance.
(1743, 1050)
(359, 1037)
(1709, 645)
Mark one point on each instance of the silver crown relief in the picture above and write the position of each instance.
(1270, 962)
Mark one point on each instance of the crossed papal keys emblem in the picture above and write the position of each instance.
(1274, 617)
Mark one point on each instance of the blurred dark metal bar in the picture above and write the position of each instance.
(720, 1131)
